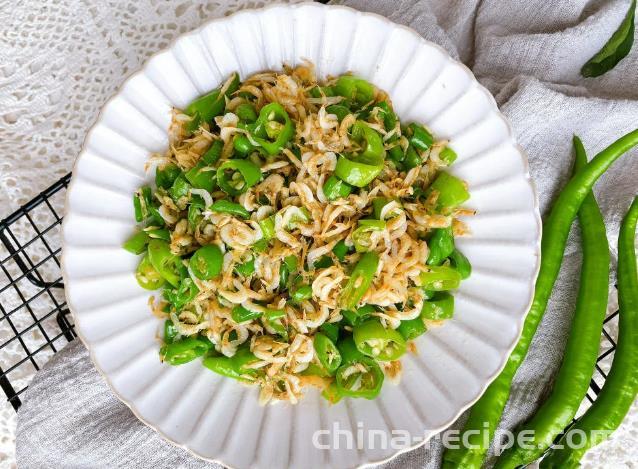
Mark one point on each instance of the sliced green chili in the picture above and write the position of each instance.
(360, 280)
(274, 129)
(136, 244)
(235, 176)
(361, 237)
(327, 352)
(206, 262)
(167, 264)
(460, 263)
(334, 188)
(184, 350)
(355, 89)
(440, 278)
(165, 175)
(440, 307)
(410, 329)
(147, 276)
(441, 245)
(378, 342)
(226, 206)
(241, 314)
(452, 190)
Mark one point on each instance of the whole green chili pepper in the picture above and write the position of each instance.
(147, 276)
(226, 206)
(615, 49)
(236, 176)
(441, 245)
(439, 307)
(327, 353)
(241, 314)
(378, 342)
(274, 128)
(206, 262)
(621, 386)
(165, 175)
(460, 263)
(361, 378)
(360, 280)
(136, 244)
(440, 278)
(452, 191)
(489, 407)
(361, 237)
(167, 264)
(355, 89)
(334, 188)
(184, 350)
(572, 381)
(410, 329)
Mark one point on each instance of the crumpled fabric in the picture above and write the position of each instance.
(528, 54)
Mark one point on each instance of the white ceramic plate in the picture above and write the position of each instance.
(217, 418)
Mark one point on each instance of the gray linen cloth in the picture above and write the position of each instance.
(528, 53)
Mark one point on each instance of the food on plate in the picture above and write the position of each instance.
(300, 233)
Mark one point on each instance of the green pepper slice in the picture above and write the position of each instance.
(241, 314)
(331, 330)
(452, 190)
(376, 341)
(334, 188)
(460, 263)
(142, 203)
(267, 226)
(201, 177)
(184, 350)
(361, 378)
(360, 169)
(361, 237)
(183, 294)
(246, 112)
(136, 244)
(301, 293)
(448, 156)
(168, 265)
(419, 137)
(354, 88)
(438, 308)
(441, 245)
(412, 328)
(340, 250)
(232, 367)
(147, 276)
(206, 262)
(235, 176)
(327, 353)
(212, 104)
(360, 280)
(273, 129)
(274, 318)
(338, 110)
(226, 206)
(247, 268)
(440, 278)
(166, 175)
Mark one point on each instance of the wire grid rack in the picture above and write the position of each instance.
(33, 306)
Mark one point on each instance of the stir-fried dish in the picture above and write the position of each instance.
(300, 233)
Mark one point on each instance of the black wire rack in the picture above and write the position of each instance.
(32, 301)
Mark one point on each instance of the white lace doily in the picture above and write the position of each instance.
(59, 62)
